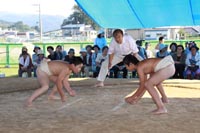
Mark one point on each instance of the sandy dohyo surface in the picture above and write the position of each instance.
(98, 110)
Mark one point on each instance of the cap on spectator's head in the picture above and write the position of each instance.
(83, 50)
(36, 47)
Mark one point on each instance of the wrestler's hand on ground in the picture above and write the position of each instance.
(131, 100)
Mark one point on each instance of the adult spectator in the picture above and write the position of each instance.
(148, 51)
(100, 40)
(34, 59)
(69, 58)
(58, 53)
(193, 63)
(88, 67)
(94, 56)
(83, 55)
(120, 46)
(172, 47)
(142, 51)
(52, 55)
(179, 58)
(162, 51)
(101, 57)
(25, 63)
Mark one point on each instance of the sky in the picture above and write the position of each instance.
(48, 7)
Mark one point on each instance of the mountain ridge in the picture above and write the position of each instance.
(49, 22)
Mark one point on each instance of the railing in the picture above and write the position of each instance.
(9, 52)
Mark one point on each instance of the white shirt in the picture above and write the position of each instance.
(128, 46)
(100, 58)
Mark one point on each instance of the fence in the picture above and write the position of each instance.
(9, 52)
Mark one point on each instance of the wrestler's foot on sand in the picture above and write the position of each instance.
(53, 97)
(72, 92)
(99, 84)
(160, 111)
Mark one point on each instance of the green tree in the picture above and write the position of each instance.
(20, 26)
(78, 16)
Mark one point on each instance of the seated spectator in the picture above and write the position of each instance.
(25, 63)
(83, 56)
(94, 56)
(88, 67)
(120, 67)
(162, 51)
(52, 55)
(179, 58)
(172, 47)
(100, 58)
(193, 63)
(34, 59)
(58, 53)
(148, 51)
(40, 57)
(142, 51)
(69, 58)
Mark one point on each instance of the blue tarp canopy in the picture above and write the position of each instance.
(132, 14)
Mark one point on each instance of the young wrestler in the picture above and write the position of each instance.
(159, 70)
(56, 71)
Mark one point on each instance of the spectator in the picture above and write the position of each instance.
(88, 67)
(40, 57)
(161, 41)
(69, 58)
(34, 59)
(193, 63)
(148, 51)
(25, 63)
(162, 51)
(94, 56)
(100, 41)
(52, 54)
(83, 56)
(173, 47)
(179, 58)
(58, 53)
(101, 57)
(142, 51)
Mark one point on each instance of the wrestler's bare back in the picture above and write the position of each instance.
(56, 67)
(147, 66)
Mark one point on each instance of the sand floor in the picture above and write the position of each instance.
(98, 110)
